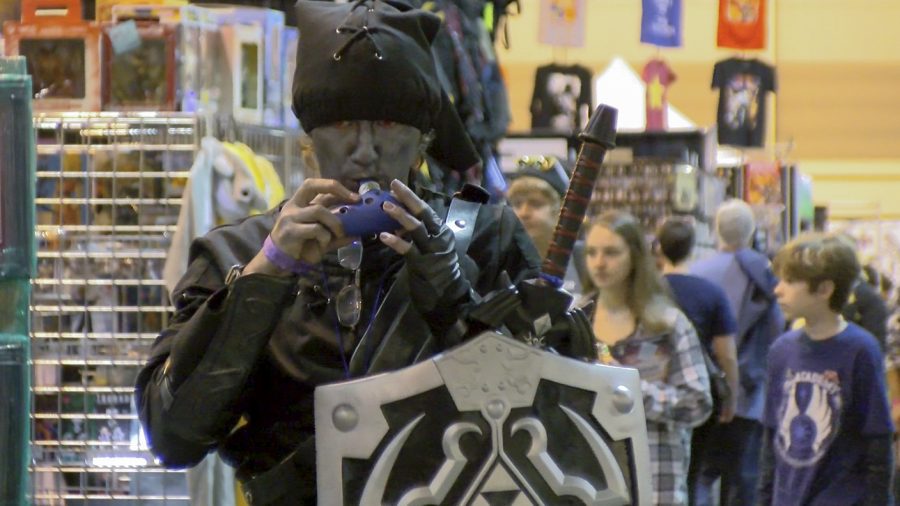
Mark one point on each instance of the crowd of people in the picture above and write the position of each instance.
(277, 304)
(802, 413)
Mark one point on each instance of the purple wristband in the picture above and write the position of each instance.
(282, 260)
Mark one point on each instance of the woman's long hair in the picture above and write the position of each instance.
(647, 296)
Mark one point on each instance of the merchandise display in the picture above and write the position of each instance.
(196, 34)
(743, 87)
(143, 77)
(62, 52)
(252, 41)
(243, 45)
(742, 24)
(109, 192)
(657, 75)
(105, 209)
(648, 189)
(104, 9)
(661, 23)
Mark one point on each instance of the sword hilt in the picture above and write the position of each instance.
(597, 138)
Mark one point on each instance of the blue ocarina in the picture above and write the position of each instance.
(367, 217)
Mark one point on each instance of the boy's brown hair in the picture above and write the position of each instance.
(815, 258)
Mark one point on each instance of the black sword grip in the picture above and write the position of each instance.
(598, 137)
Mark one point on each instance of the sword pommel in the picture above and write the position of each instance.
(601, 129)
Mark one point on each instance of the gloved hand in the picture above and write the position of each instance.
(571, 335)
(436, 282)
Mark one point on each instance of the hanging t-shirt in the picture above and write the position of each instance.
(823, 398)
(742, 85)
(657, 76)
(742, 24)
(661, 22)
(562, 98)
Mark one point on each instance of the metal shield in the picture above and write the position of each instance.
(493, 421)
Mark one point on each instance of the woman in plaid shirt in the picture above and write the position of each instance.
(636, 324)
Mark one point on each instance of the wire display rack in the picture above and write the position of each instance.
(109, 188)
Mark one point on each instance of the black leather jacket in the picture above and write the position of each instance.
(253, 352)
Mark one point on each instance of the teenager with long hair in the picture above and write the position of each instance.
(636, 324)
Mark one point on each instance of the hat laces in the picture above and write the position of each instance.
(358, 32)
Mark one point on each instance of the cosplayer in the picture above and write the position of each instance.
(269, 309)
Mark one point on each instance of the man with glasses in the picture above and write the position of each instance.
(277, 304)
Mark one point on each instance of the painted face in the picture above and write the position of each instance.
(351, 151)
(535, 211)
(607, 257)
(796, 299)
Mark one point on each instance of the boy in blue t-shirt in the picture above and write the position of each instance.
(827, 421)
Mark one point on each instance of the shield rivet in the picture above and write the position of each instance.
(460, 223)
(483, 348)
(345, 418)
(623, 400)
(496, 408)
(485, 388)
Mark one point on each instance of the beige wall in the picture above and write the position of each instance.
(838, 64)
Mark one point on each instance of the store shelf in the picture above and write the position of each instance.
(108, 197)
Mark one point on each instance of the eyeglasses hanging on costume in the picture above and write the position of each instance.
(348, 303)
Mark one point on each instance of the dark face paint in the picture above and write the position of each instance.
(352, 151)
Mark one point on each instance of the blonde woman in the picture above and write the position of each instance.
(636, 324)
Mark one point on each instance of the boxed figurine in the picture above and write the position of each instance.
(62, 54)
(243, 52)
(195, 32)
(264, 82)
(140, 75)
(103, 9)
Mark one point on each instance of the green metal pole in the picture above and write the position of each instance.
(17, 266)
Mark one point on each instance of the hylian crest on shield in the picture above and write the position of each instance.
(491, 422)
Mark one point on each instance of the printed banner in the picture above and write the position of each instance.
(742, 24)
(562, 23)
(661, 23)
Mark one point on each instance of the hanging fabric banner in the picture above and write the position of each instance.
(742, 24)
(561, 23)
(661, 23)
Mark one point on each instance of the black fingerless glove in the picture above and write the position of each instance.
(571, 335)
(437, 286)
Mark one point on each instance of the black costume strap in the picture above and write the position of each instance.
(461, 220)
